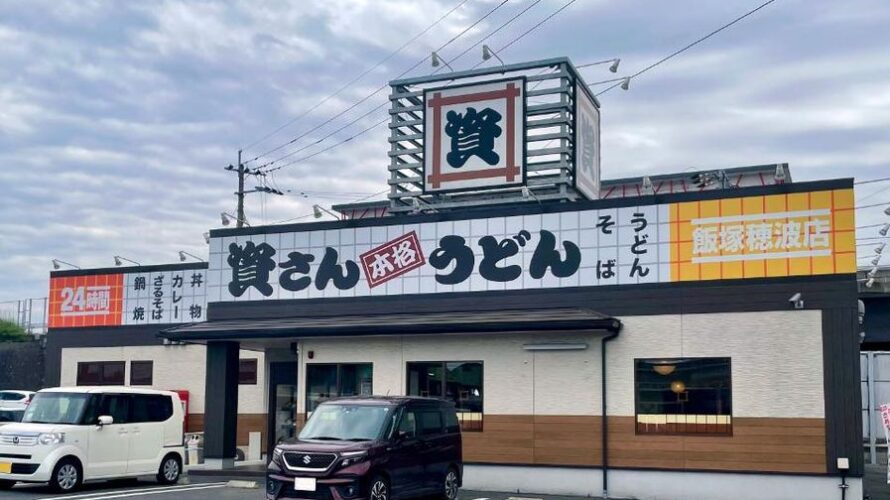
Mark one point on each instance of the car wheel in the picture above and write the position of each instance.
(6, 484)
(450, 486)
(170, 469)
(378, 488)
(66, 476)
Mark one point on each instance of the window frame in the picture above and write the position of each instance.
(151, 372)
(123, 382)
(339, 374)
(463, 428)
(716, 434)
(256, 371)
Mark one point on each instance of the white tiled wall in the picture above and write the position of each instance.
(776, 362)
(175, 367)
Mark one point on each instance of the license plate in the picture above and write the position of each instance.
(5, 468)
(304, 483)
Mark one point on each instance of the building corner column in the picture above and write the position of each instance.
(221, 405)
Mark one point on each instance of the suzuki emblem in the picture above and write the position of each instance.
(15, 440)
(307, 459)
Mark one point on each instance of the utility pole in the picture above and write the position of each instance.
(240, 193)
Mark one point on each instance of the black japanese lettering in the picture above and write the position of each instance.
(250, 268)
(547, 256)
(329, 270)
(297, 263)
(453, 249)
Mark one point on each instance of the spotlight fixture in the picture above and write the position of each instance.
(614, 66)
(869, 283)
(625, 84)
(438, 61)
(527, 193)
(183, 254)
(780, 174)
(206, 237)
(487, 54)
(887, 211)
(224, 218)
(57, 262)
(647, 186)
(873, 273)
(318, 211)
(875, 261)
(884, 230)
(118, 261)
(880, 248)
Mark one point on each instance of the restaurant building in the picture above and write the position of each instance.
(675, 337)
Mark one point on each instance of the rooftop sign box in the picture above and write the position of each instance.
(794, 230)
(491, 135)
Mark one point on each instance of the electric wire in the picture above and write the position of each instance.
(375, 92)
(693, 44)
(514, 40)
(351, 82)
(306, 216)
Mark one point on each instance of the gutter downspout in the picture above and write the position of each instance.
(605, 421)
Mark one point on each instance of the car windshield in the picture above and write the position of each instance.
(56, 408)
(7, 416)
(345, 422)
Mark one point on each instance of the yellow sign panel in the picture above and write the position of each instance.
(795, 234)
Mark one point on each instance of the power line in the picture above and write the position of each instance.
(872, 181)
(514, 40)
(536, 26)
(377, 91)
(693, 44)
(499, 28)
(306, 216)
(354, 80)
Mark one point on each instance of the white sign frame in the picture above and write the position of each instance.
(586, 180)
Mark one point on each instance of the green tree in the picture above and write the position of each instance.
(11, 332)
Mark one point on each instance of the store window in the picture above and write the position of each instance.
(247, 369)
(101, 373)
(683, 396)
(456, 381)
(326, 381)
(141, 372)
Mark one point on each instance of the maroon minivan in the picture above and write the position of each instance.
(376, 448)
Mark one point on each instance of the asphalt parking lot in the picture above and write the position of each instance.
(194, 488)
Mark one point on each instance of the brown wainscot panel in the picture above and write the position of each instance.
(247, 423)
(756, 444)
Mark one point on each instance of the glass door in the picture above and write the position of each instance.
(282, 409)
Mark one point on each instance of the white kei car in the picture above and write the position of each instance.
(71, 435)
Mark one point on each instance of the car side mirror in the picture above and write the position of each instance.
(104, 420)
(402, 435)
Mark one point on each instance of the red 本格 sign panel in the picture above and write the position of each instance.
(392, 259)
(83, 301)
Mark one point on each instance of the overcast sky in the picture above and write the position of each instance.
(117, 118)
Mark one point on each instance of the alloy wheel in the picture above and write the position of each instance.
(451, 485)
(171, 469)
(378, 490)
(66, 478)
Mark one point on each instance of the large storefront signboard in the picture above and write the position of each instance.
(132, 298)
(795, 234)
(587, 145)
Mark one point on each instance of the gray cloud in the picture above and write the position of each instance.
(117, 118)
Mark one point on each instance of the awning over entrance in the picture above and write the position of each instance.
(525, 320)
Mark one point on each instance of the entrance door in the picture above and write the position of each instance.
(282, 404)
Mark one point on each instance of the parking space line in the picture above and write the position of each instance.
(108, 495)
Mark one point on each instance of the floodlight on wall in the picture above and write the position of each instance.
(183, 254)
(873, 273)
(876, 260)
(556, 346)
(647, 186)
(869, 283)
(224, 217)
(57, 262)
(487, 54)
(880, 248)
(119, 261)
(884, 230)
(206, 237)
(318, 211)
(625, 84)
(527, 193)
(438, 61)
(887, 211)
(780, 174)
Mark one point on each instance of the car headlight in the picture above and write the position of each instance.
(276, 454)
(352, 458)
(51, 438)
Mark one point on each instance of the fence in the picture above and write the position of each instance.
(30, 314)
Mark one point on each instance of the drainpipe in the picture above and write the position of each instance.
(605, 420)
